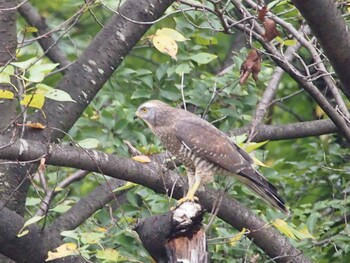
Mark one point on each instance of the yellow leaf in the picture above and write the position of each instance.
(319, 112)
(34, 100)
(62, 251)
(141, 158)
(258, 162)
(238, 237)
(6, 94)
(31, 29)
(283, 227)
(23, 233)
(303, 233)
(101, 229)
(165, 44)
(171, 33)
(126, 186)
(253, 146)
(109, 254)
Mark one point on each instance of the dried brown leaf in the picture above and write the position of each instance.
(34, 125)
(251, 65)
(271, 30)
(262, 13)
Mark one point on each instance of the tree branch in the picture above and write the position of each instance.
(331, 31)
(270, 92)
(153, 176)
(36, 243)
(88, 205)
(289, 131)
(97, 63)
(47, 43)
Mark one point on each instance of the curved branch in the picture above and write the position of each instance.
(331, 31)
(33, 246)
(86, 206)
(47, 43)
(153, 176)
(96, 64)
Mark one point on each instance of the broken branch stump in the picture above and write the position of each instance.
(176, 236)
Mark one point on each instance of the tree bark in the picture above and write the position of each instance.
(175, 236)
(97, 63)
(331, 31)
(152, 175)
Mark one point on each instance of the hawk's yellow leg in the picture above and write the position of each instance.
(190, 194)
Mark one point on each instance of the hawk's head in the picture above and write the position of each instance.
(153, 112)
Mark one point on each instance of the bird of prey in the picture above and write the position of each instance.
(204, 150)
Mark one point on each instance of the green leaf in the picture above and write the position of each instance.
(70, 233)
(312, 221)
(89, 143)
(30, 221)
(203, 58)
(61, 208)
(24, 64)
(32, 201)
(6, 73)
(43, 68)
(10, 70)
(91, 237)
(183, 69)
(170, 95)
(141, 93)
(53, 94)
(33, 220)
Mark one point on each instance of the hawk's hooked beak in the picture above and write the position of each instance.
(136, 115)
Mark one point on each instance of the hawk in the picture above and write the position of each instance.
(204, 150)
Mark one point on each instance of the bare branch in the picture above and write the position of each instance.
(47, 43)
(51, 193)
(289, 131)
(331, 31)
(270, 92)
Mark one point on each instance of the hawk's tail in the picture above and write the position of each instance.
(262, 187)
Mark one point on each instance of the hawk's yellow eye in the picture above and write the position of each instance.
(144, 109)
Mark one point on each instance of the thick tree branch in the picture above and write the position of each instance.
(39, 241)
(318, 63)
(86, 206)
(97, 63)
(152, 175)
(47, 42)
(31, 248)
(279, 59)
(331, 31)
(289, 131)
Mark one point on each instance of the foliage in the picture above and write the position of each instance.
(312, 173)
